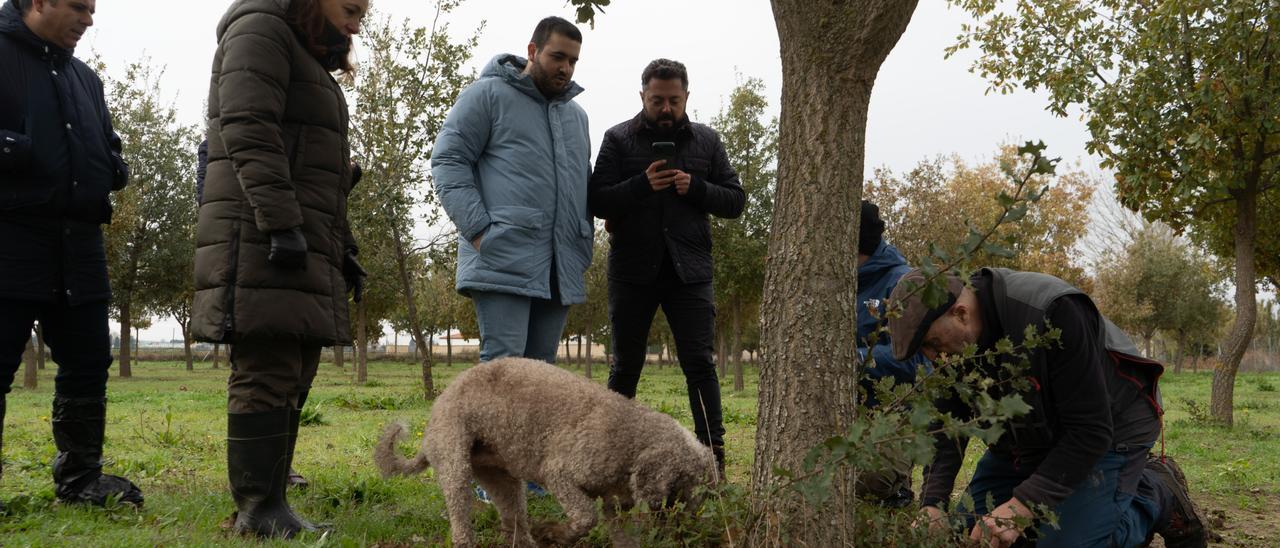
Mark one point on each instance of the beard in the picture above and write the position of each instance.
(663, 123)
(546, 81)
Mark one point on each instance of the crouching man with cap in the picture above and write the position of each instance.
(1083, 449)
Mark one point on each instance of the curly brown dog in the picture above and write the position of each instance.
(513, 420)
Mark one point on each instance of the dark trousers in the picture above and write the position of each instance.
(1116, 505)
(691, 311)
(270, 374)
(78, 339)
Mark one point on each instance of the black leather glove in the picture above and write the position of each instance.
(354, 274)
(288, 249)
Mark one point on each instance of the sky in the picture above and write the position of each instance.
(922, 106)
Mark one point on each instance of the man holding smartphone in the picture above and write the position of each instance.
(656, 179)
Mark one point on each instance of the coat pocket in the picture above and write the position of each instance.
(15, 152)
(512, 238)
(698, 167)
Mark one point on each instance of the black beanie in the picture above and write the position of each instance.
(871, 231)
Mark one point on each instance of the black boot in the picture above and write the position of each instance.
(295, 417)
(1181, 526)
(295, 479)
(257, 464)
(78, 428)
(718, 451)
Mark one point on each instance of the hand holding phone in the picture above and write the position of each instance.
(659, 174)
(664, 150)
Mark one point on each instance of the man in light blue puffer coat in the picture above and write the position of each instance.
(511, 168)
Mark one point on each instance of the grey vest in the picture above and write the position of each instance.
(1023, 299)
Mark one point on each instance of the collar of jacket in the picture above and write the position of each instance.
(640, 124)
(885, 259)
(511, 69)
(11, 24)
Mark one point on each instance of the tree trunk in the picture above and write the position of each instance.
(830, 58)
(340, 356)
(406, 289)
(1224, 376)
(567, 355)
(735, 348)
(580, 360)
(39, 346)
(1195, 362)
(137, 340)
(587, 368)
(430, 358)
(126, 333)
(215, 355)
(362, 334)
(1182, 353)
(448, 345)
(30, 374)
(186, 348)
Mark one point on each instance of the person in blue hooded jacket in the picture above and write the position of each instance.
(510, 168)
(880, 266)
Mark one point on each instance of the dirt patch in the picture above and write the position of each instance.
(1240, 527)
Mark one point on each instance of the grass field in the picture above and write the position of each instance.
(166, 428)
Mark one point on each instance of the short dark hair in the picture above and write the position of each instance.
(554, 25)
(25, 5)
(665, 69)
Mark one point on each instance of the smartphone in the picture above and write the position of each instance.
(665, 150)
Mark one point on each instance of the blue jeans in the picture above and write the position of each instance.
(512, 325)
(1108, 508)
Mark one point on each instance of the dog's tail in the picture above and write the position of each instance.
(389, 461)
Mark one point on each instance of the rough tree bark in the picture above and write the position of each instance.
(216, 346)
(1221, 402)
(831, 53)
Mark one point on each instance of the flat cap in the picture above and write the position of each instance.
(908, 329)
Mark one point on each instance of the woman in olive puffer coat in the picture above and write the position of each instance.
(274, 254)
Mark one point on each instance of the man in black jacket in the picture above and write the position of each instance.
(660, 238)
(59, 161)
(1083, 450)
